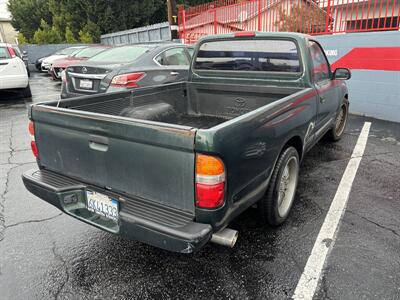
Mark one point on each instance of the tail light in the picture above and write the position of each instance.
(210, 181)
(64, 76)
(11, 51)
(244, 34)
(31, 128)
(127, 80)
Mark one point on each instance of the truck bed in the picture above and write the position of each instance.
(193, 105)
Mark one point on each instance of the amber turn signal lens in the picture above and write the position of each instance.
(209, 165)
(31, 128)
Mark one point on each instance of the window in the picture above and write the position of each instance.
(124, 54)
(320, 69)
(89, 52)
(376, 24)
(68, 51)
(249, 55)
(4, 54)
(173, 57)
(191, 51)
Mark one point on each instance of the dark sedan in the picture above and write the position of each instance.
(127, 67)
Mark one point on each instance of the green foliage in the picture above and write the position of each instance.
(27, 15)
(84, 20)
(85, 37)
(303, 18)
(21, 39)
(69, 36)
(47, 34)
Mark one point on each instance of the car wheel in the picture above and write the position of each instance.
(336, 132)
(275, 206)
(26, 92)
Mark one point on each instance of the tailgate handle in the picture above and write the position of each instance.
(99, 143)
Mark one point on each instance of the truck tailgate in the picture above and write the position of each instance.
(137, 158)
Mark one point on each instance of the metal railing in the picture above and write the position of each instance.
(307, 16)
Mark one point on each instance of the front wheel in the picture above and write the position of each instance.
(336, 132)
(274, 208)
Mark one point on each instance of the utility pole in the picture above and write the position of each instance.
(173, 18)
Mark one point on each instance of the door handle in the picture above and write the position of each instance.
(98, 143)
(322, 99)
(174, 73)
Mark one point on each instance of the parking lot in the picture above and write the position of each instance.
(46, 254)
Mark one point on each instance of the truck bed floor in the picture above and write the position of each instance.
(200, 122)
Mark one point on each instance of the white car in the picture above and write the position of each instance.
(13, 73)
(63, 53)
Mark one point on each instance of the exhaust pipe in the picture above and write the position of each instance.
(225, 237)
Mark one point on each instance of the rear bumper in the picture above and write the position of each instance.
(14, 81)
(164, 227)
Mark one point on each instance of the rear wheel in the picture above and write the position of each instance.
(274, 208)
(337, 130)
(26, 92)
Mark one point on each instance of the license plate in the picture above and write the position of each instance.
(102, 205)
(86, 84)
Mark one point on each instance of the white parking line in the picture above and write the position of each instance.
(326, 238)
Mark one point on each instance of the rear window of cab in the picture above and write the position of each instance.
(255, 55)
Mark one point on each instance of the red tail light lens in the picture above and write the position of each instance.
(244, 33)
(11, 51)
(34, 149)
(127, 80)
(210, 181)
(31, 129)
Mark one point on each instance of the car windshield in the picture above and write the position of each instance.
(67, 51)
(89, 52)
(121, 54)
(76, 51)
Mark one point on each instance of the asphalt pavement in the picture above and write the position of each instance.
(45, 254)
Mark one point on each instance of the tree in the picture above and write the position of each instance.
(69, 36)
(46, 34)
(78, 19)
(27, 14)
(85, 37)
(21, 39)
(302, 17)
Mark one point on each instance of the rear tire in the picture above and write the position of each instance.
(26, 92)
(274, 208)
(336, 132)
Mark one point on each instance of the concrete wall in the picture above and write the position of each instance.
(151, 33)
(374, 88)
(38, 51)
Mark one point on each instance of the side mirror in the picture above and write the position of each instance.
(342, 74)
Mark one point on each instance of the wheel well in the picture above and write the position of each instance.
(297, 143)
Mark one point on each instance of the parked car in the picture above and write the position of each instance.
(63, 53)
(38, 63)
(61, 64)
(24, 56)
(172, 165)
(126, 67)
(13, 73)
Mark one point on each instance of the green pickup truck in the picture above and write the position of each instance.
(172, 165)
